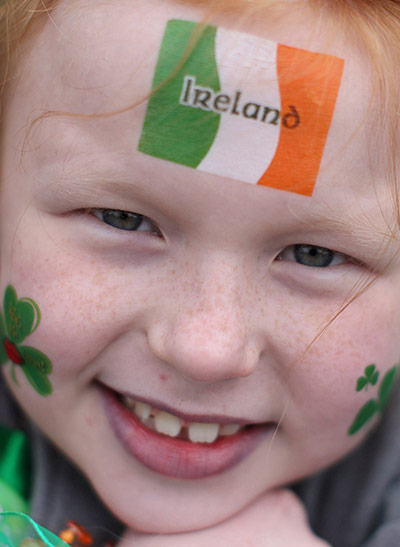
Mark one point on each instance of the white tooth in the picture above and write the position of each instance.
(167, 424)
(203, 433)
(229, 429)
(142, 410)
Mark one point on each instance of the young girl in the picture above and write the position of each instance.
(199, 271)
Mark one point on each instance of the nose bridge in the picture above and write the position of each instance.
(206, 335)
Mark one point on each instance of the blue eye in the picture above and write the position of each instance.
(125, 220)
(312, 256)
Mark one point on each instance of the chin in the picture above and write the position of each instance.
(161, 516)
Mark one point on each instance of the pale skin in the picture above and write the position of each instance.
(276, 519)
(205, 308)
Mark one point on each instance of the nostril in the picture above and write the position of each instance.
(203, 355)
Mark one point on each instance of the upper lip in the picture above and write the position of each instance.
(184, 416)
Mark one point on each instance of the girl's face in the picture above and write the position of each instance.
(204, 307)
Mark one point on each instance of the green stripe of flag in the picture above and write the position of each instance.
(173, 131)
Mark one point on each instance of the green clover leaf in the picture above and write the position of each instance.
(371, 374)
(373, 406)
(36, 367)
(386, 387)
(361, 383)
(370, 377)
(22, 318)
(364, 415)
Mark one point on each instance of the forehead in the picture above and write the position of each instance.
(100, 57)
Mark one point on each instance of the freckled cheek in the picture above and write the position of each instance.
(324, 386)
(73, 330)
(83, 310)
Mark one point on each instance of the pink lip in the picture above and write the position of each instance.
(176, 457)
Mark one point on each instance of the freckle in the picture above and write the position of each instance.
(163, 377)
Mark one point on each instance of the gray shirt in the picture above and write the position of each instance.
(355, 503)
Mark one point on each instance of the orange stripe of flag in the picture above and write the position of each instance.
(309, 82)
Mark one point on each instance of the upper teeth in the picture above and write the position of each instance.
(142, 410)
(203, 433)
(168, 424)
(171, 425)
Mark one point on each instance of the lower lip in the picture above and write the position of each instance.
(176, 457)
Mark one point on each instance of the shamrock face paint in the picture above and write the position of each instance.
(260, 117)
(373, 406)
(21, 319)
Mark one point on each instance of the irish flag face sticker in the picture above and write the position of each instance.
(241, 107)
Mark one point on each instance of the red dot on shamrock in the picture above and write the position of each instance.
(12, 352)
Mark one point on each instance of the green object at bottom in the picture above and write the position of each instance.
(19, 530)
(15, 470)
(11, 500)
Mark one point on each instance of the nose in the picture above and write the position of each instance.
(204, 331)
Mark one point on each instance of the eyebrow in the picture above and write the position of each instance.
(88, 190)
(76, 183)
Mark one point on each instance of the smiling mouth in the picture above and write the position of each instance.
(175, 447)
(170, 425)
